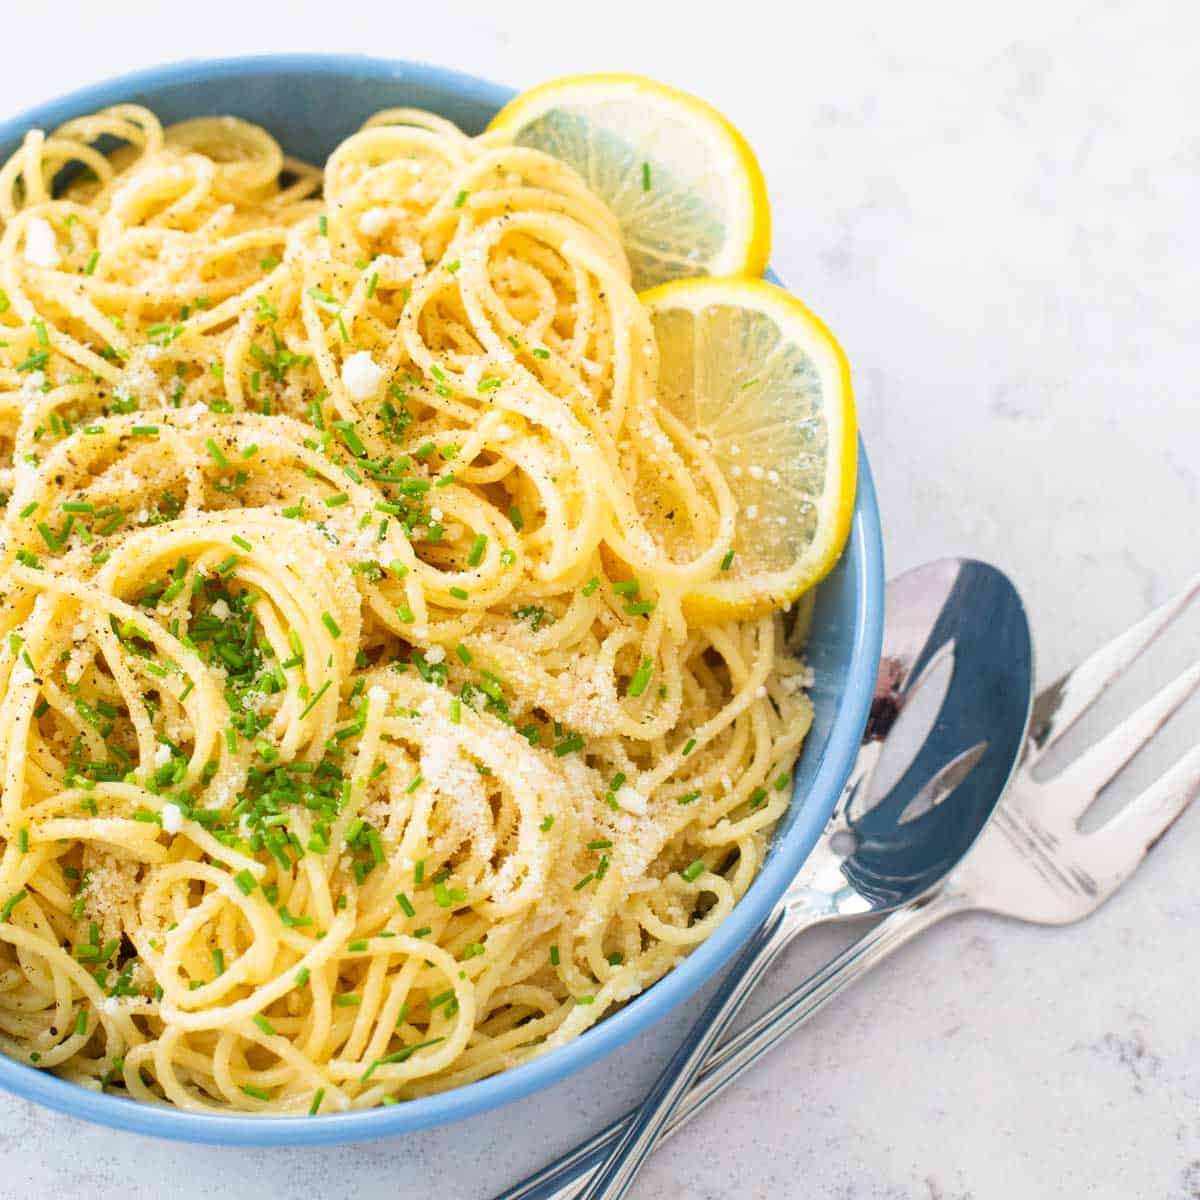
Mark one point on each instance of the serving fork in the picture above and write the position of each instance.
(1032, 862)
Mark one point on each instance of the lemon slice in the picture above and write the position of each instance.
(683, 183)
(760, 379)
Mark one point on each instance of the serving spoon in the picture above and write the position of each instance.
(885, 845)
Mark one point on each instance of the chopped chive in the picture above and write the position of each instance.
(405, 904)
(350, 436)
(645, 177)
(330, 624)
(256, 1092)
(456, 712)
(554, 959)
(323, 225)
(245, 881)
(461, 199)
(642, 608)
(693, 872)
(348, 1000)
(591, 585)
(781, 781)
(727, 561)
(463, 653)
(315, 1106)
(301, 977)
(540, 352)
(215, 453)
(400, 1056)
(316, 696)
(90, 269)
(218, 958)
(143, 431)
(478, 547)
(641, 677)
(689, 747)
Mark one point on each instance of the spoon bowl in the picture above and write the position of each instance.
(955, 617)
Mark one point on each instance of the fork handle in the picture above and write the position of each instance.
(565, 1178)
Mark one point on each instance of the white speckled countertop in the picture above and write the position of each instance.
(995, 207)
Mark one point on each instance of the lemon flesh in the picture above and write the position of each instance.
(682, 182)
(759, 378)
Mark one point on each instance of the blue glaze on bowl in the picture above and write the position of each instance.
(310, 103)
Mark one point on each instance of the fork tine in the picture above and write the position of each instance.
(1081, 780)
(1067, 699)
(1133, 831)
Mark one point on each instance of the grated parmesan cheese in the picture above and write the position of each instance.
(632, 800)
(361, 375)
(41, 247)
(373, 221)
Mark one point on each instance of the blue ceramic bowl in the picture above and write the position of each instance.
(310, 103)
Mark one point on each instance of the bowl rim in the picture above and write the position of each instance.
(864, 554)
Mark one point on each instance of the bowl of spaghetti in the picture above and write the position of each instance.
(362, 767)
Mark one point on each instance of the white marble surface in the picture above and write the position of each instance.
(995, 207)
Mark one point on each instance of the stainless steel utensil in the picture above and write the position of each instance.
(880, 851)
(1033, 863)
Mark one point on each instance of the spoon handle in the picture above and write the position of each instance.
(566, 1177)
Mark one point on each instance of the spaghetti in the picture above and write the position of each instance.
(355, 741)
